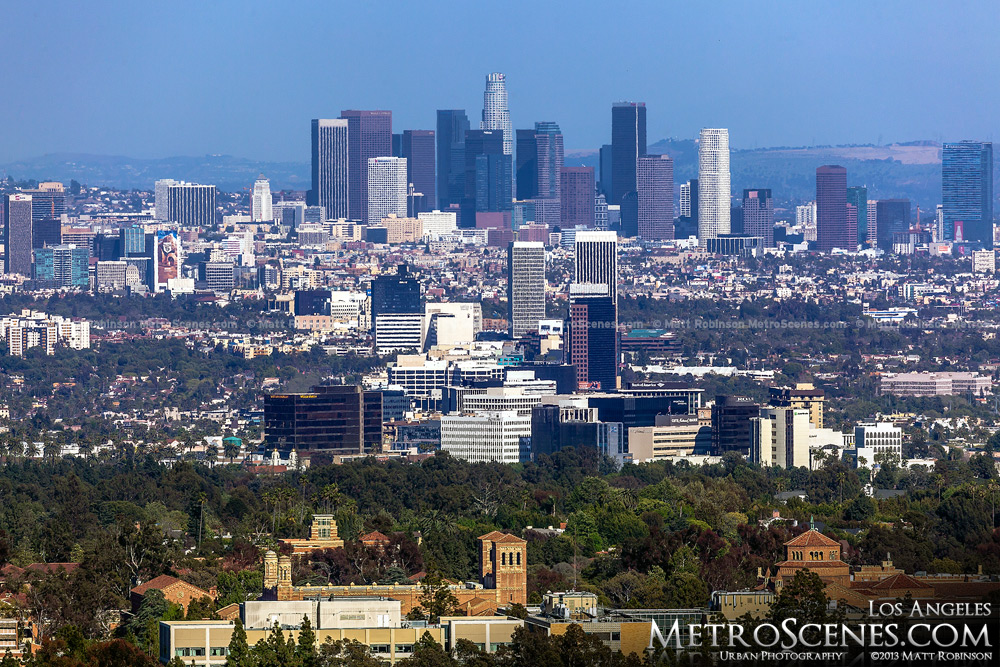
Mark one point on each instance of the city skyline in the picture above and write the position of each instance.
(198, 113)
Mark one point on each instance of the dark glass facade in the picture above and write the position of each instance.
(418, 147)
(452, 124)
(967, 191)
(329, 419)
(731, 424)
(593, 341)
(892, 217)
(628, 144)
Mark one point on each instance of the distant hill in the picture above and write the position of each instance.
(227, 172)
(911, 170)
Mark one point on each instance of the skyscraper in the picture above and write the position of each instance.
(260, 208)
(892, 217)
(604, 158)
(330, 168)
(191, 204)
(628, 144)
(496, 114)
(48, 201)
(832, 230)
(713, 184)
(577, 197)
(539, 160)
(593, 337)
(758, 215)
(369, 135)
(685, 200)
(386, 188)
(857, 196)
(596, 259)
(488, 175)
(63, 265)
(418, 149)
(397, 316)
(452, 124)
(525, 286)
(160, 197)
(18, 232)
(655, 187)
(967, 191)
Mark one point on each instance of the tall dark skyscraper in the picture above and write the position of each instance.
(369, 135)
(46, 231)
(539, 161)
(452, 124)
(577, 201)
(832, 230)
(593, 337)
(655, 189)
(967, 191)
(858, 197)
(17, 217)
(758, 215)
(418, 149)
(892, 217)
(488, 175)
(628, 144)
(330, 177)
(604, 185)
(395, 294)
(48, 201)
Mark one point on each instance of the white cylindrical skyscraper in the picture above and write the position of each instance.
(260, 210)
(496, 113)
(713, 184)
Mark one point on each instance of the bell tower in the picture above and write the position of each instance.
(503, 566)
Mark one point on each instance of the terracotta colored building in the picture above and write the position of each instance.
(174, 590)
(503, 567)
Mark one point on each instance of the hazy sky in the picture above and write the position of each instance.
(154, 79)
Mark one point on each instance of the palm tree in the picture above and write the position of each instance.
(31, 449)
(230, 449)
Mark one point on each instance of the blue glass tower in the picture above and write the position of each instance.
(967, 191)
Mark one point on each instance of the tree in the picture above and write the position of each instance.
(239, 654)
(347, 653)
(803, 598)
(436, 600)
(305, 651)
(428, 653)
(861, 508)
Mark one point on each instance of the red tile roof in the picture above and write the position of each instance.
(812, 538)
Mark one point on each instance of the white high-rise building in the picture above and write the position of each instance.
(260, 210)
(496, 113)
(499, 437)
(873, 221)
(525, 286)
(438, 223)
(686, 200)
(386, 187)
(780, 437)
(873, 440)
(160, 190)
(714, 196)
(596, 259)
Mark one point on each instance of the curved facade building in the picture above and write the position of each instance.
(713, 184)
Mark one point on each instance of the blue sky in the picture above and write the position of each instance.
(154, 79)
